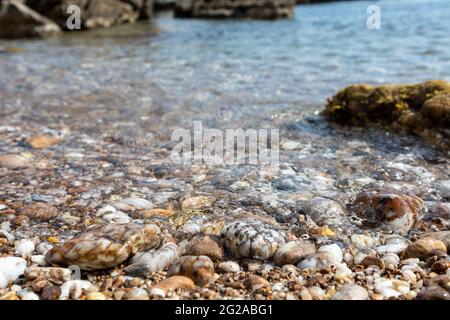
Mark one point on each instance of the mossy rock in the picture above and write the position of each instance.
(415, 107)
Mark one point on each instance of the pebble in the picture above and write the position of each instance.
(117, 217)
(9, 296)
(105, 246)
(318, 261)
(433, 292)
(444, 189)
(39, 260)
(28, 295)
(198, 202)
(439, 235)
(229, 266)
(423, 247)
(255, 283)
(53, 274)
(373, 261)
(153, 261)
(24, 247)
(391, 259)
(351, 292)
(334, 250)
(173, 283)
(95, 296)
(316, 292)
(391, 288)
(42, 141)
(388, 208)
(73, 289)
(136, 294)
(11, 268)
(343, 273)
(293, 251)
(441, 210)
(40, 211)
(14, 161)
(133, 204)
(51, 293)
(205, 246)
(68, 219)
(198, 268)
(252, 238)
(324, 211)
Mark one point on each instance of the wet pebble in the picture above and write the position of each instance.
(293, 251)
(388, 208)
(251, 238)
(199, 268)
(324, 211)
(105, 246)
(205, 246)
(144, 263)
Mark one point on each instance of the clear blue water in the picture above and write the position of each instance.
(239, 64)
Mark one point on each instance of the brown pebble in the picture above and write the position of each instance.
(14, 161)
(42, 141)
(255, 283)
(198, 268)
(172, 283)
(39, 211)
(373, 261)
(433, 293)
(205, 246)
(423, 247)
(50, 293)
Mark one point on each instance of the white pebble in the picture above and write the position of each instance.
(24, 247)
(391, 288)
(117, 217)
(229, 266)
(73, 289)
(11, 268)
(39, 260)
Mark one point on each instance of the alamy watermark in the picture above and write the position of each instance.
(228, 147)
(374, 19)
(73, 22)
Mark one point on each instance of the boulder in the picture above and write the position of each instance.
(422, 108)
(220, 9)
(19, 21)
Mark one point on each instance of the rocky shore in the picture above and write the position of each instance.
(40, 19)
(420, 108)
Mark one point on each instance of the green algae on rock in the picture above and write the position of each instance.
(420, 108)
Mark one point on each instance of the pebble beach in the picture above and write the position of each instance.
(92, 207)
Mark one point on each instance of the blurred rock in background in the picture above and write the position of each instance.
(220, 9)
